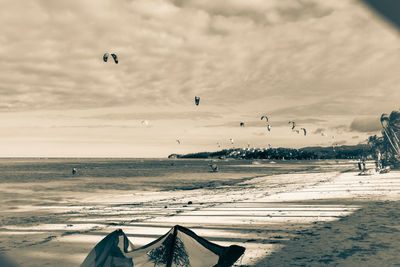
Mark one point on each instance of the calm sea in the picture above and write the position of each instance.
(151, 174)
(42, 199)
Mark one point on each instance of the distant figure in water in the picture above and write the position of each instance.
(363, 164)
(359, 165)
(214, 167)
(74, 171)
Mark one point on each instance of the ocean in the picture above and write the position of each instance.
(41, 200)
(29, 185)
(152, 174)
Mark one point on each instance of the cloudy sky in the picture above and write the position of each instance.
(332, 66)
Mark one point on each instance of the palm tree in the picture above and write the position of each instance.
(376, 142)
(391, 136)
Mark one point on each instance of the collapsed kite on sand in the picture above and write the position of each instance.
(178, 247)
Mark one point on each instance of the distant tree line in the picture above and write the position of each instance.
(336, 152)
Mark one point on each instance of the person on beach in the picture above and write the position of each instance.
(363, 165)
(379, 160)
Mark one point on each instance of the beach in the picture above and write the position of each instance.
(284, 214)
(241, 123)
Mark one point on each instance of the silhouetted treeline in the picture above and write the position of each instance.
(337, 152)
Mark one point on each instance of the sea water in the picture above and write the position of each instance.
(41, 199)
(27, 185)
(148, 174)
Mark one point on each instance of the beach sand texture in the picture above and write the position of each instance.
(296, 219)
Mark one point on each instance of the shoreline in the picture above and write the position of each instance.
(264, 214)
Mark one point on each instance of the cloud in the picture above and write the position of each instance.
(310, 61)
(259, 133)
(262, 12)
(319, 131)
(88, 126)
(340, 128)
(365, 125)
(263, 124)
(157, 116)
(231, 51)
(341, 142)
(298, 121)
(259, 124)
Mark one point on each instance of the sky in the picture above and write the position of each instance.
(331, 66)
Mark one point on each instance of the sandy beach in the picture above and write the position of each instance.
(296, 219)
(246, 122)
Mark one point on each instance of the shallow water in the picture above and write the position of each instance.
(155, 173)
(38, 190)
(41, 202)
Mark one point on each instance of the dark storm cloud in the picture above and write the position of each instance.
(365, 125)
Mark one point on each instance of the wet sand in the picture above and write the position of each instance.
(303, 219)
